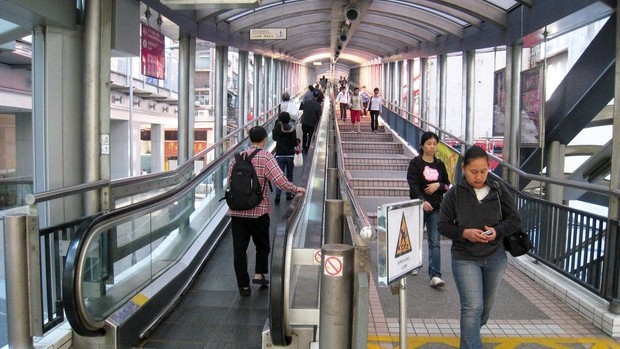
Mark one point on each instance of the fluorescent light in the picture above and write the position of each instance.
(316, 63)
(197, 4)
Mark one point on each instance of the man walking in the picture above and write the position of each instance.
(254, 222)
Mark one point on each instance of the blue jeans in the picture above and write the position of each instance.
(477, 283)
(434, 252)
(286, 164)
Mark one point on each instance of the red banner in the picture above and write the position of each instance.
(153, 57)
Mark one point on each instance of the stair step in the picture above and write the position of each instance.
(393, 183)
(365, 137)
(381, 191)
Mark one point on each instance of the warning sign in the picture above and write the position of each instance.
(404, 242)
(399, 237)
(333, 265)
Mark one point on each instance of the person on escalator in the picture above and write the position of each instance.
(286, 141)
(254, 222)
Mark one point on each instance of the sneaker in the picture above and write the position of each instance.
(245, 291)
(437, 282)
(277, 199)
(415, 272)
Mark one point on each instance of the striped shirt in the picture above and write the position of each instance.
(266, 168)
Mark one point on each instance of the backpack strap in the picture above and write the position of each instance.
(249, 157)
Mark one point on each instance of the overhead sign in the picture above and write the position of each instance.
(152, 53)
(399, 233)
(268, 34)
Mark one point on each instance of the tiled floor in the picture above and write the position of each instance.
(564, 325)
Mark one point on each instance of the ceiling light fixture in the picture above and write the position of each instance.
(222, 4)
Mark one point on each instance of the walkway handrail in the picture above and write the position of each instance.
(76, 309)
(597, 188)
(281, 255)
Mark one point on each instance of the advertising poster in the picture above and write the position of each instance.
(499, 103)
(153, 53)
(531, 99)
(451, 159)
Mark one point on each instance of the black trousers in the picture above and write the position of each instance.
(374, 120)
(243, 229)
(307, 137)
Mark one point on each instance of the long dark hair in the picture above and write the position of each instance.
(425, 137)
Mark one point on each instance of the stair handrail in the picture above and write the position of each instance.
(601, 189)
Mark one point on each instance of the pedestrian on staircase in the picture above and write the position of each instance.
(356, 109)
(428, 180)
(374, 106)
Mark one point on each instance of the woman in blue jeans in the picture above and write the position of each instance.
(428, 180)
(477, 214)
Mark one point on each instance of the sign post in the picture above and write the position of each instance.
(399, 234)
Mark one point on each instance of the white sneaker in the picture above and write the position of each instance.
(415, 272)
(437, 282)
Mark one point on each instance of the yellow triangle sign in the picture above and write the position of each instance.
(404, 243)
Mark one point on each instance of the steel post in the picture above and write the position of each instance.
(334, 221)
(336, 296)
(333, 189)
(17, 298)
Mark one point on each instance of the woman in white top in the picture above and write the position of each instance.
(343, 99)
(374, 106)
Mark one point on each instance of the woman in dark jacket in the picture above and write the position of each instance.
(477, 214)
(286, 140)
(428, 180)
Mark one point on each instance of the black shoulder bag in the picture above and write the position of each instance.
(518, 243)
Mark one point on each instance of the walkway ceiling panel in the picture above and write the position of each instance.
(482, 10)
(403, 28)
(425, 19)
(395, 22)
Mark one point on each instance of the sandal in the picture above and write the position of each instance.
(261, 281)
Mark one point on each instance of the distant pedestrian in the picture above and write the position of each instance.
(356, 109)
(477, 214)
(286, 142)
(343, 100)
(254, 222)
(374, 106)
(365, 99)
(309, 120)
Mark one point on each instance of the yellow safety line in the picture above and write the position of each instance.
(502, 342)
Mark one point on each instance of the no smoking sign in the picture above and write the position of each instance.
(333, 265)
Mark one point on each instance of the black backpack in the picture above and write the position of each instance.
(244, 191)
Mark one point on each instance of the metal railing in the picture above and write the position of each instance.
(55, 239)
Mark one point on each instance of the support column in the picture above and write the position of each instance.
(384, 81)
(186, 100)
(257, 83)
(555, 169)
(442, 66)
(612, 288)
(221, 66)
(267, 85)
(58, 161)
(469, 61)
(409, 105)
(398, 83)
(512, 122)
(243, 91)
(157, 148)
(423, 91)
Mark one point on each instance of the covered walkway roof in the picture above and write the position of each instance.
(327, 30)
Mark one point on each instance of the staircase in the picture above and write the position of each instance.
(375, 164)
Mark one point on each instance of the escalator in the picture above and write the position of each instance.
(157, 273)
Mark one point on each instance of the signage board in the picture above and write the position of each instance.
(399, 234)
(268, 34)
(152, 53)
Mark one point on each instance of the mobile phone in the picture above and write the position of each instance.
(488, 232)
